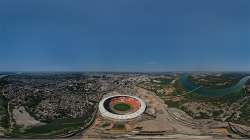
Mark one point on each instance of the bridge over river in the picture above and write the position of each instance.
(190, 86)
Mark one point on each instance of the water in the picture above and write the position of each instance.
(188, 85)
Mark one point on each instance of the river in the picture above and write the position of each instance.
(188, 85)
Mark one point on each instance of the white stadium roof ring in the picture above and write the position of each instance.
(136, 107)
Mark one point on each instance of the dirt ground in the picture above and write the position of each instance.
(23, 118)
(170, 123)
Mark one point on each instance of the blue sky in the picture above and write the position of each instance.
(125, 35)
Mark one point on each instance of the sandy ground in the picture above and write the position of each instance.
(176, 124)
(164, 121)
(23, 118)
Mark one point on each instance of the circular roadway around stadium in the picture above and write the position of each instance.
(108, 111)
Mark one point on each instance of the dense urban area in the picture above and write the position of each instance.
(179, 105)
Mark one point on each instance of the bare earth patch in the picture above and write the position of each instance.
(23, 118)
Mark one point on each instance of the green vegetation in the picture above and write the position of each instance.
(245, 114)
(122, 107)
(228, 99)
(178, 88)
(119, 126)
(51, 129)
(32, 101)
(217, 112)
(163, 81)
(208, 107)
(217, 81)
(175, 104)
(4, 117)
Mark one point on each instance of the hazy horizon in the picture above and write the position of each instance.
(124, 36)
